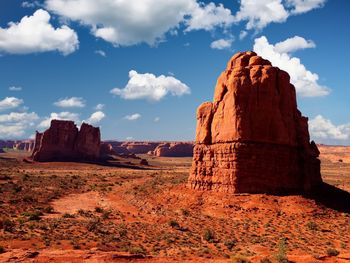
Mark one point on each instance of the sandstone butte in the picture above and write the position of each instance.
(252, 138)
(64, 142)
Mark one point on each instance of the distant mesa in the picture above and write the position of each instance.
(252, 138)
(175, 149)
(159, 149)
(63, 141)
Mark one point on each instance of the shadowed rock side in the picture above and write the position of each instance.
(252, 138)
(64, 142)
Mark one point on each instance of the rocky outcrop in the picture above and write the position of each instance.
(106, 149)
(18, 145)
(252, 138)
(176, 149)
(140, 147)
(64, 142)
(25, 145)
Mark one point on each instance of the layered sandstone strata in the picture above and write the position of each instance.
(252, 138)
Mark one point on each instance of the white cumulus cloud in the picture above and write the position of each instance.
(11, 131)
(73, 102)
(96, 117)
(293, 44)
(323, 130)
(305, 82)
(23, 117)
(221, 44)
(259, 14)
(303, 6)
(65, 115)
(125, 23)
(208, 17)
(15, 124)
(148, 86)
(35, 34)
(10, 103)
(133, 117)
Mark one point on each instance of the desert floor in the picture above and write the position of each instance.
(74, 212)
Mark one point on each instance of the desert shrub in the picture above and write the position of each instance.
(94, 225)
(230, 244)
(67, 215)
(332, 252)
(137, 250)
(185, 212)
(265, 260)
(7, 224)
(35, 216)
(208, 235)
(75, 244)
(281, 255)
(99, 209)
(174, 224)
(312, 226)
(48, 210)
(106, 214)
(239, 259)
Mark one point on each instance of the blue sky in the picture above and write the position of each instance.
(139, 69)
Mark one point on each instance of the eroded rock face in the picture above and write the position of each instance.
(106, 149)
(64, 142)
(252, 138)
(176, 149)
(24, 145)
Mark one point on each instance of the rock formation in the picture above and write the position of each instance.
(252, 138)
(106, 149)
(140, 147)
(176, 149)
(25, 145)
(64, 142)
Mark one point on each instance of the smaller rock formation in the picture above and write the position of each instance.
(24, 145)
(176, 149)
(64, 142)
(106, 149)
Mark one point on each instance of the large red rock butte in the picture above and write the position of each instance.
(252, 138)
(64, 142)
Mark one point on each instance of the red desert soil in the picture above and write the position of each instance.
(71, 212)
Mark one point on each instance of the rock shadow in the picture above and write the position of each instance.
(331, 197)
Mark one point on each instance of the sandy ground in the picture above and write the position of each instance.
(68, 212)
